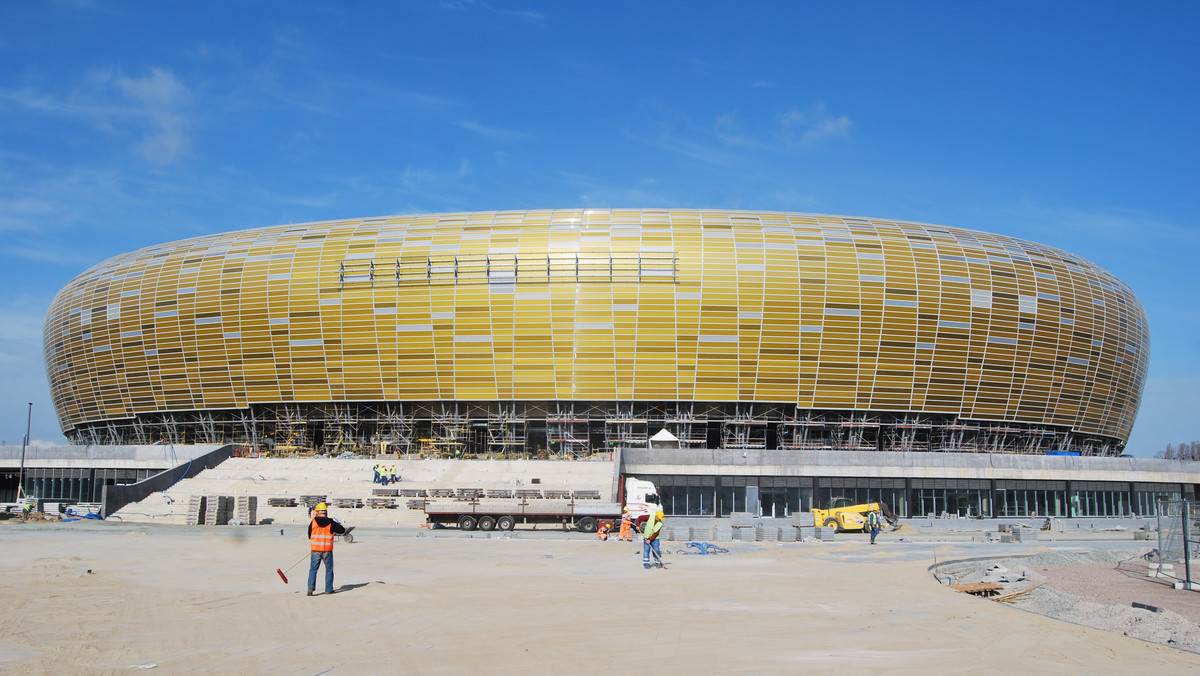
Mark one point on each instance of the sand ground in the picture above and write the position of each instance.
(112, 598)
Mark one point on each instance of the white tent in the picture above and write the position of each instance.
(664, 439)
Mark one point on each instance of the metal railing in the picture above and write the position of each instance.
(1178, 542)
(513, 268)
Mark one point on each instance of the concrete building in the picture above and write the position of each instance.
(571, 332)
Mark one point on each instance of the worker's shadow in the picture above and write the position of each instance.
(350, 587)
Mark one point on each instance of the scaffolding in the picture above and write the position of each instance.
(291, 431)
(622, 427)
(567, 432)
(691, 429)
(803, 430)
(449, 432)
(343, 423)
(394, 430)
(576, 429)
(743, 429)
(506, 432)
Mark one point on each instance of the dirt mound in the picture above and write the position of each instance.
(1093, 588)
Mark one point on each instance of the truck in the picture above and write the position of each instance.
(842, 515)
(584, 514)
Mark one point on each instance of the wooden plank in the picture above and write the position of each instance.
(978, 588)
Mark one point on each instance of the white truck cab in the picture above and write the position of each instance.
(641, 497)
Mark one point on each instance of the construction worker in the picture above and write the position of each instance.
(393, 477)
(602, 534)
(375, 469)
(626, 526)
(873, 524)
(650, 539)
(320, 540)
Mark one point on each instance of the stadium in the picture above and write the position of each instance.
(570, 333)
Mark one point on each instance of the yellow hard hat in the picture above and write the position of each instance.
(321, 507)
(658, 513)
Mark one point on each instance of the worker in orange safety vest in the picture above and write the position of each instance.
(626, 526)
(320, 540)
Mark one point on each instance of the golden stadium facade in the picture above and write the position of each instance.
(570, 331)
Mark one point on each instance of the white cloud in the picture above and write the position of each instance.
(494, 133)
(798, 128)
(1118, 225)
(730, 133)
(153, 105)
(161, 99)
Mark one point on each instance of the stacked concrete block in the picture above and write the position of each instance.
(767, 534)
(246, 509)
(723, 534)
(218, 510)
(803, 520)
(745, 534)
(700, 533)
(824, 533)
(741, 520)
(196, 510)
(788, 534)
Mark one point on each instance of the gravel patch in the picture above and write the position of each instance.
(1093, 588)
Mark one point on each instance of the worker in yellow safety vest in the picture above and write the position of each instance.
(650, 539)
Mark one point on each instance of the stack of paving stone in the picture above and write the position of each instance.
(311, 501)
(195, 513)
(741, 520)
(824, 533)
(745, 534)
(246, 509)
(804, 532)
(767, 534)
(788, 534)
(803, 520)
(700, 533)
(1023, 534)
(218, 510)
(723, 534)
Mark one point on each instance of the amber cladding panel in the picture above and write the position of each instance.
(814, 311)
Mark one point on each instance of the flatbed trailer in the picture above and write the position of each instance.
(507, 513)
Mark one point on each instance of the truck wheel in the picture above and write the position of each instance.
(587, 525)
(833, 523)
(466, 522)
(506, 523)
(487, 523)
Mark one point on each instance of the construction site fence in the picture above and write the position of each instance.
(1178, 554)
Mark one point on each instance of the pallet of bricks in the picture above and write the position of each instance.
(195, 513)
(218, 510)
(246, 510)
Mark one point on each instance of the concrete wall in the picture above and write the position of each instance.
(157, 455)
(115, 497)
(728, 462)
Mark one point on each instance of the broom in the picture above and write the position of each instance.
(281, 573)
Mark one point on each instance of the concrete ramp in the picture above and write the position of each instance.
(350, 479)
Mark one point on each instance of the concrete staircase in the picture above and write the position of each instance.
(351, 478)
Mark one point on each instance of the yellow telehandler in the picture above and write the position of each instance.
(842, 515)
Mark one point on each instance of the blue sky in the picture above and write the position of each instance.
(1073, 124)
